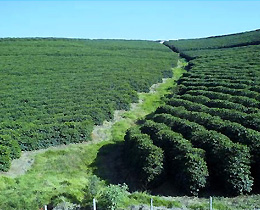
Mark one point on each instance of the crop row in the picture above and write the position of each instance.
(146, 158)
(181, 161)
(222, 155)
(221, 90)
(218, 82)
(215, 107)
(220, 152)
(208, 106)
(234, 131)
(186, 164)
(194, 104)
(202, 75)
(245, 101)
(174, 129)
(216, 42)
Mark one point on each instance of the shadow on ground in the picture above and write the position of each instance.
(109, 166)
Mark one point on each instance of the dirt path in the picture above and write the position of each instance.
(162, 41)
(100, 132)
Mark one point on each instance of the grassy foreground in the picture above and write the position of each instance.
(64, 173)
(67, 174)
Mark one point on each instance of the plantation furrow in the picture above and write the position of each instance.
(221, 91)
(213, 111)
(184, 162)
(204, 105)
(234, 179)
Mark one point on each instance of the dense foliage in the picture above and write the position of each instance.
(215, 42)
(156, 152)
(54, 90)
(146, 158)
(216, 108)
(184, 164)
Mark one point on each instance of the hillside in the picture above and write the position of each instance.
(207, 136)
(193, 136)
(216, 42)
(54, 90)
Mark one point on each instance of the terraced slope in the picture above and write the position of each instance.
(214, 115)
(54, 90)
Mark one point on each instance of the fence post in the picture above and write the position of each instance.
(151, 204)
(210, 203)
(94, 204)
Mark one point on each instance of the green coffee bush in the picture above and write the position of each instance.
(146, 158)
(185, 163)
(5, 158)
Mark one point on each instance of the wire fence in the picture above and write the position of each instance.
(151, 204)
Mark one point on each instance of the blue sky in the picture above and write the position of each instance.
(150, 20)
